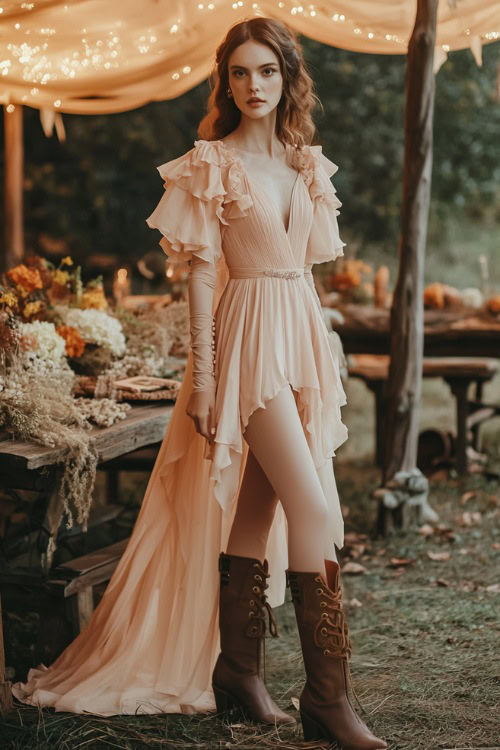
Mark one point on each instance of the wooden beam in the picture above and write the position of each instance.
(13, 249)
(407, 315)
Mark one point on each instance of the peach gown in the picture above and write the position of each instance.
(151, 644)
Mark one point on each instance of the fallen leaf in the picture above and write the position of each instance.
(397, 562)
(442, 582)
(467, 585)
(439, 556)
(469, 518)
(426, 530)
(355, 550)
(355, 602)
(296, 703)
(464, 551)
(495, 545)
(354, 568)
(467, 496)
(353, 537)
(494, 588)
(380, 552)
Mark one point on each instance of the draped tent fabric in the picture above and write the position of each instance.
(93, 57)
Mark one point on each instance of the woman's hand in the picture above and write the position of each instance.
(201, 409)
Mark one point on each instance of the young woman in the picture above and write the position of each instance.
(252, 208)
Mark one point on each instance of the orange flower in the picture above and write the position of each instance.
(94, 299)
(25, 279)
(75, 345)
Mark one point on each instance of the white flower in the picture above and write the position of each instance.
(95, 327)
(44, 349)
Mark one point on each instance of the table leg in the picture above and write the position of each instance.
(5, 687)
(459, 387)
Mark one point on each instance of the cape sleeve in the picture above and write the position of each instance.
(324, 243)
(190, 209)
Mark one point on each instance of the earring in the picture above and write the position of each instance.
(229, 94)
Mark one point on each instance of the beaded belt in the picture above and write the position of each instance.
(251, 273)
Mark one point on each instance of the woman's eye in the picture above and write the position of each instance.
(270, 70)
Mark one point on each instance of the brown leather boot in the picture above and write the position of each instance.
(236, 677)
(325, 707)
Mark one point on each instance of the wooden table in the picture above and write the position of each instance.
(30, 466)
(366, 330)
(450, 334)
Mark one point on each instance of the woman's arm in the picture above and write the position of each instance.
(201, 290)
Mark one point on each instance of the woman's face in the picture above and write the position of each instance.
(254, 72)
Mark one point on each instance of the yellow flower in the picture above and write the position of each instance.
(67, 261)
(9, 299)
(32, 308)
(61, 277)
(94, 299)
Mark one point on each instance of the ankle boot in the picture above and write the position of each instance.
(325, 706)
(236, 677)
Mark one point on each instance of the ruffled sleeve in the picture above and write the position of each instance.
(324, 243)
(189, 213)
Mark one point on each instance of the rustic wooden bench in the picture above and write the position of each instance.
(457, 372)
(66, 594)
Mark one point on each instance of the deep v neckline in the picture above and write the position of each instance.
(256, 184)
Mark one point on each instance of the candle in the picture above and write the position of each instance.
(121, 286)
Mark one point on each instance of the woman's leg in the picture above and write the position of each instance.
(254, 515)
(276, 438)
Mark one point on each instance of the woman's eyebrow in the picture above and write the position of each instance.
(266, 65)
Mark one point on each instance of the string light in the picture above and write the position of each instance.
(37, 62)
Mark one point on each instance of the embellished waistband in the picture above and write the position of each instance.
(251, 273)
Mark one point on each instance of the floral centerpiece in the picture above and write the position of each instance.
(53, 328)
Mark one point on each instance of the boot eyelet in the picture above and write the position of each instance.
(324, 615)
(255, 589)
(318, 579)
(324, 631)
(253, 630)
(319, 591)
(256, 565)
(258, 578)
(322, 604)
(252, 603)
(326, 652)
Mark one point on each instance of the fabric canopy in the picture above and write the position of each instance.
(90, 57)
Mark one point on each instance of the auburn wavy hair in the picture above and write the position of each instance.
(294, 122)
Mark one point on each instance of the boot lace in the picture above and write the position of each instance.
(332, 631)
(256, 627)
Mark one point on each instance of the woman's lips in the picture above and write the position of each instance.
(255, 103)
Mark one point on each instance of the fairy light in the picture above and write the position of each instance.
(35, 60)
(10, 108)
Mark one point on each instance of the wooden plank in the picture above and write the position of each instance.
(86, 563)
(13, 234)
(142, 426)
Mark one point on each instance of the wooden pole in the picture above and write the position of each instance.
(405, 370)
(13, 250)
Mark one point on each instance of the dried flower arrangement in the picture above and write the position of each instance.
(51, 323)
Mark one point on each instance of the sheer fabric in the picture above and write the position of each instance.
(151, 644)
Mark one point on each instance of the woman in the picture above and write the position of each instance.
(251, 201)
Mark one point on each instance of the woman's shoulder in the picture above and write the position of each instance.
(312, 161)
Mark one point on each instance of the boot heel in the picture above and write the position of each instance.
(223, 701)
(311, 730)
